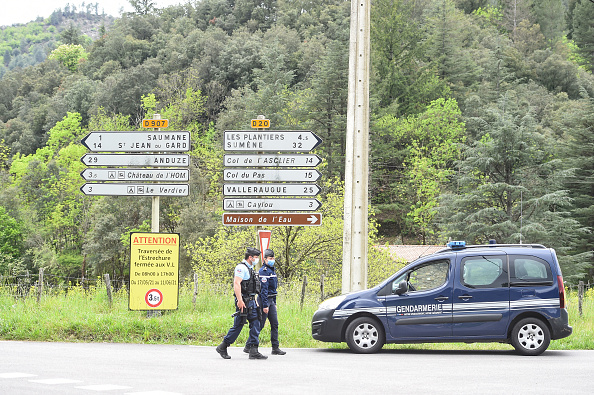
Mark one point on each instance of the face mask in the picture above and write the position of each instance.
(270, 263)
(256, 261)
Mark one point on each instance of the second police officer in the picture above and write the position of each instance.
(269, 282)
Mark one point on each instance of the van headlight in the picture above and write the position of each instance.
(332, 303)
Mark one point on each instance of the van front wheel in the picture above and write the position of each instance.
(365, 335)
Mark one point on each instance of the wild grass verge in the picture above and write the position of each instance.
(78, 315)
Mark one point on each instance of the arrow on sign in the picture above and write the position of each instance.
(272, 160)
(129, 174)
(272, 204)
(312, 219)
(271, 140)
(153, 160)
(271, 189)
(271, 175)
(272, 219)
(135, 189)
(137, 141)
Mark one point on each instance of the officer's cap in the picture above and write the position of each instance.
(252, 251)
(268, 253)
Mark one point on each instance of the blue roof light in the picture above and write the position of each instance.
(456, 245)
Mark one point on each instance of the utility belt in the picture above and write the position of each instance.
(244, 314)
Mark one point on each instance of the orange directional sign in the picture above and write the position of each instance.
(155, 123)
(272, 219)
(260, 123)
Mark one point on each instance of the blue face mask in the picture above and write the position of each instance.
(270, 263)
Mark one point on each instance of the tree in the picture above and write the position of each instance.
(69, 55)
(11, 243)
(143, 7)
(412, 159)
(314, 251)
(72, 35)
(508, 184)
(402, 82)
(550, 15)
(583, 34)
(579, 123)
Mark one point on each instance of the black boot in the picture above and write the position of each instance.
(277, 351)
(246, 349)
(222, 349)
(254, 354)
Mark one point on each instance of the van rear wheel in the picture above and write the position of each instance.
(365, 335)
(530, 336)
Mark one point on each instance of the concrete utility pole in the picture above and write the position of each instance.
(354, 256)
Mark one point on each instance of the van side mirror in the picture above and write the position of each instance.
(401, 288)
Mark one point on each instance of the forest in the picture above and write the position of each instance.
(482, 126)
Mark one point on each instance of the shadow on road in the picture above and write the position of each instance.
(548, 353)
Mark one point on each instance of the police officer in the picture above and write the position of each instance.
(246, 287)
(269, 282)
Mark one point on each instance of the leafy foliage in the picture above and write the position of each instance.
(471, 103)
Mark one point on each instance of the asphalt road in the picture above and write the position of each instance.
(81, 368)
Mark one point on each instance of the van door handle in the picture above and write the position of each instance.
(466, 297)
(441, 298)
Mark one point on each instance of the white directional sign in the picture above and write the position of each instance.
(271, 189)
(114, 189)
(281, 204)
(137, 141)
(130, 174)
(153, 160)
(271, 140)
(303, 175)
(272, 160)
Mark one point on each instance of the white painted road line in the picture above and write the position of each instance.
(104, 387)
(55, 381)
(154, 393)
(16, 375)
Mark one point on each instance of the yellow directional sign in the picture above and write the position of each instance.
(155, 123)
(260, 123)
(154, 271)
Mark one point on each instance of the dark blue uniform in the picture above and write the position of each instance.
(269, 282)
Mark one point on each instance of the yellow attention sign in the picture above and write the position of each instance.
(260, 123)
(154, 271)
(155, 123)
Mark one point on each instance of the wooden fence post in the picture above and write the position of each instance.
(195, 290)
(108, 286)
(303, 290)
(580, 296)
(40, 285)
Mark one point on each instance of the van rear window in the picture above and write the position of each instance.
(529, 270)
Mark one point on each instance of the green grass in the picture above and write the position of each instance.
(85, 316)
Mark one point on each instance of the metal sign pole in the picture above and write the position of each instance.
(156, 199)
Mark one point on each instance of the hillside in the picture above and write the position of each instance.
(23, 45)
(482, 117)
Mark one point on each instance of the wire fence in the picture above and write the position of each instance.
(37, 285)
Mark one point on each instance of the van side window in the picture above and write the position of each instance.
(429, 276)
(484, 271)
(529, 270)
